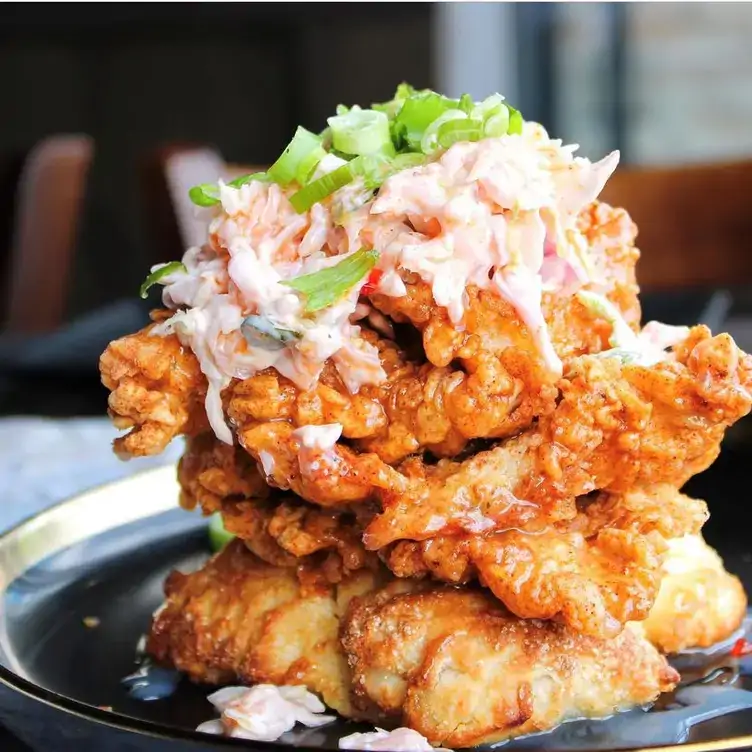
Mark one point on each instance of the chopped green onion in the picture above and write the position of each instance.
(327, 286)
(258, 331)
(207, 194)
(489, 106)
(159, 274)
(361, 132)
(417, 113)
(318, 190)
(218, 535)
(285, 169)
(308, 165)
(459, 130)
(379, 171)
(392, 107)
(515, 121)
(466, 103)
(430, 141)
(254, 176)
(497, 124)
(342, 109)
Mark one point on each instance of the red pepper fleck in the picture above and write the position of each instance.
(372, 282)
(741, 648)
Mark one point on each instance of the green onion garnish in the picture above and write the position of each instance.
(466, 104)
(379, 170)
(218, 535)
(159, 274)
(308, 165)
(258, 331)
(318, 190)
(459, 130)
(497, 124)
(285, 169)
(327, 286)
(430, 141)
(207, 194)
(515, 121)
(361, 132)
(392, 107)
(417, 113)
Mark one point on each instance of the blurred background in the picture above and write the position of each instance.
(99, 99)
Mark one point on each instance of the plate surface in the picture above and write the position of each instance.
(104, 555)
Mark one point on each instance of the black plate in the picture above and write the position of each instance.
(105, 555)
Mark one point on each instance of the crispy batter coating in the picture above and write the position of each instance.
(595, 572)
(452, 664)
(661, 508)
(492, 324)
(699, 603)
(616, 427)
(211, 472)
(241, 618)
(156, 390)
(593, 585)
(504, 385)
(456, 667)
(417, 407)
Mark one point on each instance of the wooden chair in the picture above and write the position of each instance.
(695, 223)
(49, 202)
(170, 172)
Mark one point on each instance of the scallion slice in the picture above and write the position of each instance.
(430, 141)
(515, 121)
(308, 165)
(497, 124)
(459, 130)
(285, 169)
(486, 108)
(317, 190)
(259, 332)
(466, 104)
(392, 107)
(377, 171)
(417, 113)
(159, 274)
(361, 132)
(207, 194)
(327, 286)
(218, 535)
(252, 177)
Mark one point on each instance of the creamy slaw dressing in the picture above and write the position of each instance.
(499, 214)
(397, 740)
(264, 712)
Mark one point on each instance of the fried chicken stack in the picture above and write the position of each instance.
(457, 521)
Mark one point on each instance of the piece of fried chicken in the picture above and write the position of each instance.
(617, 426)
(240, 618)
(488, 326)
(699, 602)
(502, 387)
(455, 666)
(451, 663)
(595, 572)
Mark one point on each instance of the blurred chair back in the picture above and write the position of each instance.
(170, 173)
(695, 223)
(49, 202)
